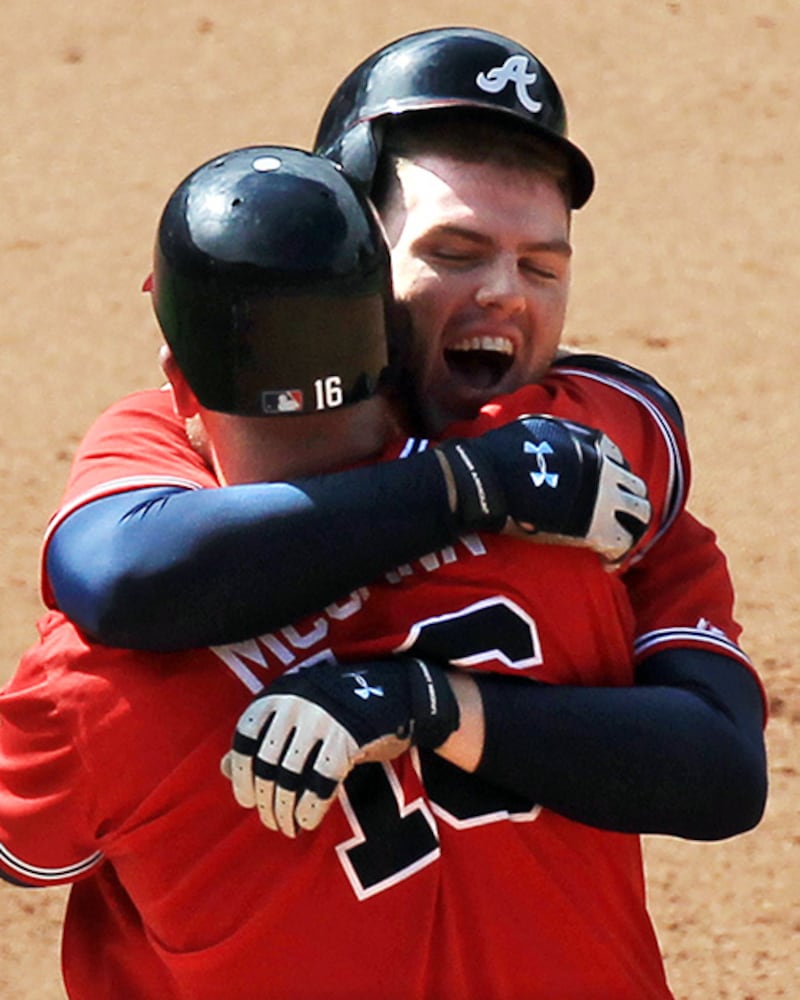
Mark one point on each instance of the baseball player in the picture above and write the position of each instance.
(425, 880)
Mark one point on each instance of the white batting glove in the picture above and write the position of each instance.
(296, 743)
(552, 478)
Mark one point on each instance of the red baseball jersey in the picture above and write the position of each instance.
(423, 881)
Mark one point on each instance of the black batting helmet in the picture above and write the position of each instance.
(271, 284)
(446, 68)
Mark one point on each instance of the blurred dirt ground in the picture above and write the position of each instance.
(687, 264)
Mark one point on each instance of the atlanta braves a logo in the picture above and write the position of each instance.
(543, 477)
(513, 70)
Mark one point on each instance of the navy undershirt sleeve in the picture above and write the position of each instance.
(174, 569)
(679, 753)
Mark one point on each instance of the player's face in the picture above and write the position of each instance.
(481, 265)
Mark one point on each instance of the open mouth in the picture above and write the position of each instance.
(480, 362)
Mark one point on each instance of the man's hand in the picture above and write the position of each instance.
(296, 743)
(551, 477)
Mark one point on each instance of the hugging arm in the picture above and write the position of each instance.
(174, 569)
(681, 752)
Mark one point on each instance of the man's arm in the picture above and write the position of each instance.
(172, 569)
(160, 567)
(175, 569)
(679, 753)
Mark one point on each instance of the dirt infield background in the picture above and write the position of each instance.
(687, 264)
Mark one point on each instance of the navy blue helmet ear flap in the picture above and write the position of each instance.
(447, 68)
(271, 284)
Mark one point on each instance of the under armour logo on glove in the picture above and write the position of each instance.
(513, 71)
(363, 689)
(593, 499)
(542, 477)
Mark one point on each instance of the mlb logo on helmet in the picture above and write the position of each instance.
(282, 401)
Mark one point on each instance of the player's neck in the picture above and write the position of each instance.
(287, 447)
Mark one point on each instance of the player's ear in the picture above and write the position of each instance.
(186, 404)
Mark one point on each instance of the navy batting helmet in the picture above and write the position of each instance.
(446, 68)
(271, 284)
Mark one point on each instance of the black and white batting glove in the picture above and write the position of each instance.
(552, 477)
(300, 739)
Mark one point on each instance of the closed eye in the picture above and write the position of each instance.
(459, 258)
(540, 272)
(550, 268)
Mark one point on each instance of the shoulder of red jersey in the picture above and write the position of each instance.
(602, 365)
(664, 413)
(139, 441)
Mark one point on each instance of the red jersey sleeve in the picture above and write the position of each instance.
(139, 441)
(45, 802)
(682, 593)
(682, 597)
